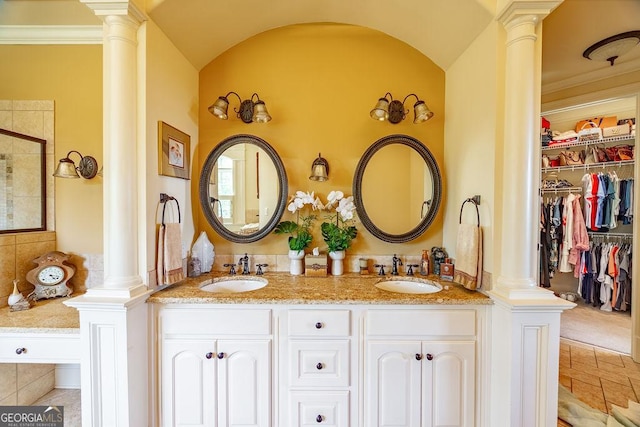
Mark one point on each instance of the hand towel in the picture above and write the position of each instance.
(468, 269)
(172, 253)
(160, 257)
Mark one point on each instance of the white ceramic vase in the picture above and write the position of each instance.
(295, 262)
(337, 262)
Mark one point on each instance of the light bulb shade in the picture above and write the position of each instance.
(260, 113)
(66, 169)
(219, 108)
(319, 169)
(381, 110)
(421, 112)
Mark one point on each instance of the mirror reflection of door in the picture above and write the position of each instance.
(397, 188)
(241, 204)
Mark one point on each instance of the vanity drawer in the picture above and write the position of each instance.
(421, 322)
(319, 323)
(319, 363)
(325, 408)
(40, 348)
(213, 321)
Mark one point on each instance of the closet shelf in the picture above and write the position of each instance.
(562, 190)
(601, 165)
(615, 139)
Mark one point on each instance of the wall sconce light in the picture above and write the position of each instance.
(612, 47)
(87, 167)
(319, 169)
(250, 110)
(393, 110)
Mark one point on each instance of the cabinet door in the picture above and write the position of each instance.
(188, 383)
(392, 384)
(448, 383)
(244, 383)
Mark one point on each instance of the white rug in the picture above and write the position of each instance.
(589, 325)
(579, 414)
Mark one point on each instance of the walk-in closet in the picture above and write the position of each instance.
(587, 206)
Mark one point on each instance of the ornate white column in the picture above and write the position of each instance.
(113, 318)
(517, 278)
(525, 318)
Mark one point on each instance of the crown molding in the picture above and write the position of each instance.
(608, 72)
(50, 34)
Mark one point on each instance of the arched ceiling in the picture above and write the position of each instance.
(203, 29)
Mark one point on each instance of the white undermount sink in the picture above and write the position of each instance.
(230, 285)
(409, 286)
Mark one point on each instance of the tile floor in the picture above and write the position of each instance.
(598, 377)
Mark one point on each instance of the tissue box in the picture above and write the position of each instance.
(315, 265)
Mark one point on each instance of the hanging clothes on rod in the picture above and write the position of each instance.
(608, 200)
(169, 257)
(605, 273)
(563, 236)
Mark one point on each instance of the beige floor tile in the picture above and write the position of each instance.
(30, 372)
(565, 380)
(32, 392)
(10, 400)
(8, 379)
(617, 394)
(590, 394)
(609, 358)
(583, 359)
(585, 377)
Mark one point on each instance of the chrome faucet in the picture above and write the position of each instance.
(244, 262)
(396, 262)
(232, 269)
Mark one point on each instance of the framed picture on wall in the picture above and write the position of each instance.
(173, 151)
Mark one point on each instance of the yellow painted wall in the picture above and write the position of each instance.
(170, 94)
(319, 82)
(473, 132)
(72, 77)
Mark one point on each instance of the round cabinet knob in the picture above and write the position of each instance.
(418, 356)
(429, 356)
(208, 355)
(21, 350)
(319, 366)
(319, 418)
(220, 355)
(319, 325)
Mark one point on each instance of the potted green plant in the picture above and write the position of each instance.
(299, 231)
(339, 231)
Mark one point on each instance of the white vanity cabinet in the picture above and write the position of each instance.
(315, 367)
(296, 365)
(420, 367)
(215, 366)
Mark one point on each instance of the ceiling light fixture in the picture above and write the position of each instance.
(88, 167)
(612, 47)
(393, 110)
(249, 111)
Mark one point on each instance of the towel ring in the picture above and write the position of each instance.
(164, 198)
(473, 202)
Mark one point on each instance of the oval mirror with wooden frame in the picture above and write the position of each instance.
(243, 188)
(397, 188)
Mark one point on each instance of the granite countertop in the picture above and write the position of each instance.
(283, 288)
(44, 316)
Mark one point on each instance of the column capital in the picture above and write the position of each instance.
(532, 11)
(116, 7)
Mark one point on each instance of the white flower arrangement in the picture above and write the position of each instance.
(300, 230)
(339, 231)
